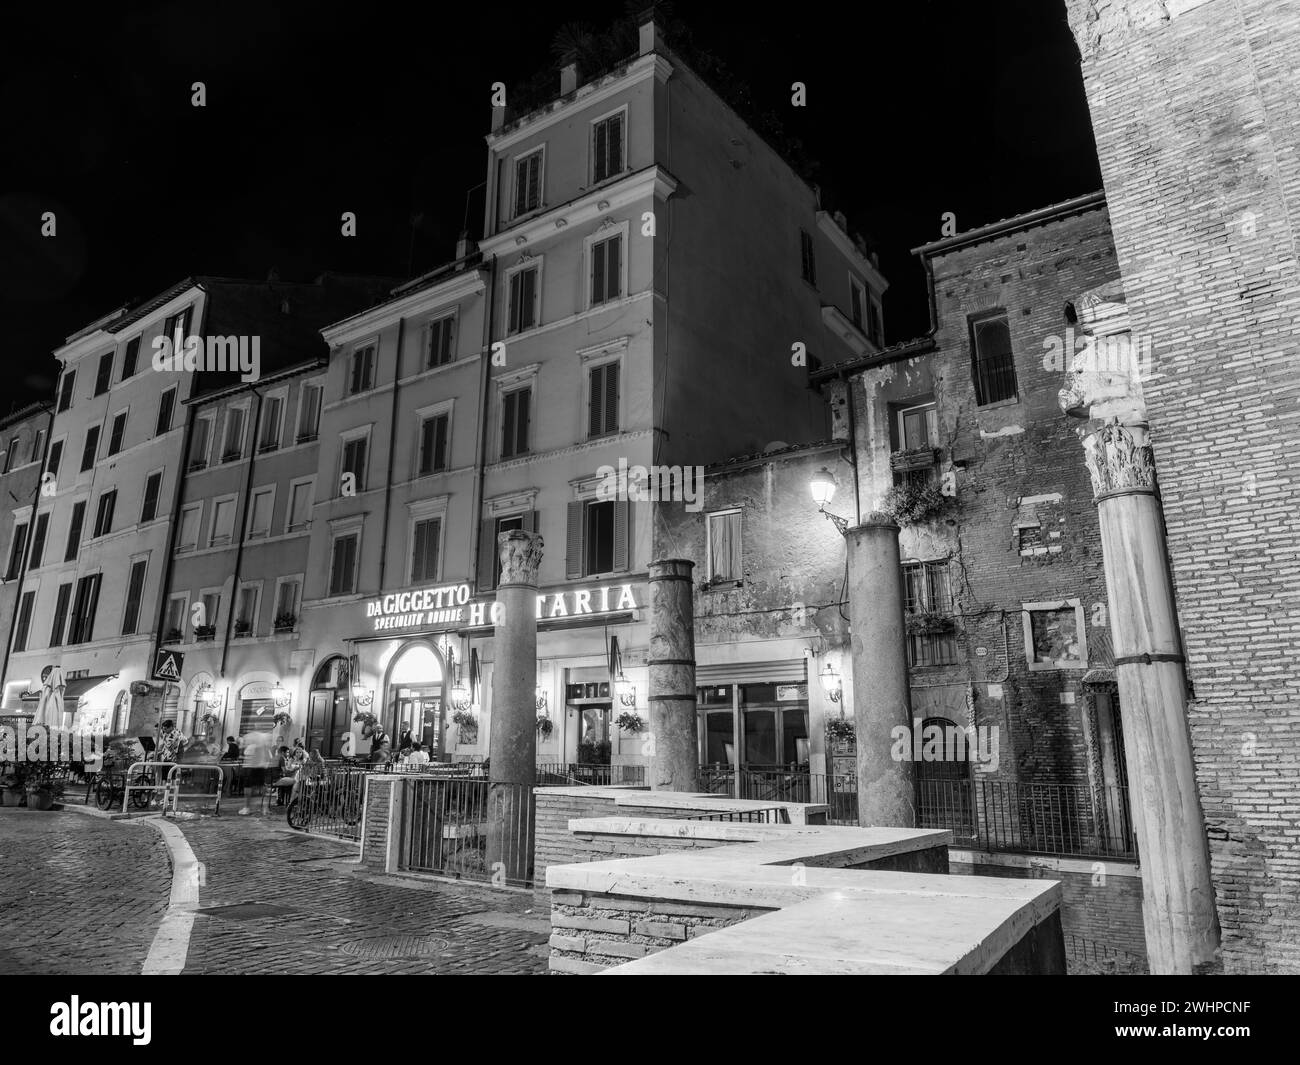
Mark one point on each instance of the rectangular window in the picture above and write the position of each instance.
(84, 604)
(286, 601)
(11, 455)
(166, 407)
(354, 461)
(74, 531)
(61, 602)
(104, 375)
(602, 409)
(188, 539)
(424, 552)
(117, 433)
(270, 438)
(259, 521)
(523, 300)
(24, 621)
(202, 441)
(1054, 635)
(858, 303)
(38, 540)
(363, 370)
(211, 611)
(233, 447)
(176, 329)
(606, 270)
(607, 148)
(597, 537)
(343, 565)
(17, 545)
(38, 442)
(56, 458)
(807, 257)
(309, 413)
(130, 358)
(928, 606)
(89, 448)
(174, 630)
(223, 522)
(300, 506)
(528, 183)
(433, 444)
(514, 422)
(725, 547)
(875, 327)
(152, 489)
(104, 514)
(992, 364)
(246, 610)
(66, 384)
(134, 595)
(918, 427)
(441, 337)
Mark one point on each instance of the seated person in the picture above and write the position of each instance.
(418, 755)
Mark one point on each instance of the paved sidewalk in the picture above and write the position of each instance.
(78, 894)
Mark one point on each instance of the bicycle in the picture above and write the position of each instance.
(324, 799)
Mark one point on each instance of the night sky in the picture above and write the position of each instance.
(914, 109)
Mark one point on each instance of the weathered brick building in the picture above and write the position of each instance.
(1196, 110)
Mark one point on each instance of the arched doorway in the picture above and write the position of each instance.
(943, 780)
(414, 699)
(327, 707)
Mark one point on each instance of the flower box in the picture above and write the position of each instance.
(917, 458)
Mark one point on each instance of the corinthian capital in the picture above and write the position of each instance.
(521, 554)
(1118, 456)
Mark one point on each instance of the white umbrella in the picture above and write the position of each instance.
(49, 711)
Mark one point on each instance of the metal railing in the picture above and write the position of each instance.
(574, 773)
(332, 802)
(468, 827)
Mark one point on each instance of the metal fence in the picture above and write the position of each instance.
(331, 803)
(468, 827)
(574, 773)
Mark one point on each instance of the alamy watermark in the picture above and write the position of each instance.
(46, 743)
(946, 743)
(658, 484)
(217, 355)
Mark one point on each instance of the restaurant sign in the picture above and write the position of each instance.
(448, 606)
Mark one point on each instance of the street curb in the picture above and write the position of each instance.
(171, 943)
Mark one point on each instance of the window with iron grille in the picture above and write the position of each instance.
(60, 625)
(603, 401)
(38, 540)
(424, 549)
(84, 604)
(363, 370)
(514, 422)
(134, 595)
(343, 564)
(104, 375)
(807, 257)
(927, 591)
(24, 621)
(433, 444)
(607, 148)
(528, 183)
(523, 300)
(117, 433)
(104, 513)
(992, 364)
(606, 270)
(89, 448)
(441, 334)
(152, 489)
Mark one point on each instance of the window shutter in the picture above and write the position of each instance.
(596, 419)
(598, 272)
(611, 397)
(440, 443)
(601, 169)
(530, 521)
(615, 144)
(528, 308)
(534, 180)
(622, 516)
(573, 541)
(487, 555)
(418, 551)
(516, 286)
(522, 411)
(508, 425)
(614, 268)
(521, 185)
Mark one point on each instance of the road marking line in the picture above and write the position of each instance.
(171, 943)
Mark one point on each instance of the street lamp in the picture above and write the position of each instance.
(822, 485)
(832, 683)
(280, 694)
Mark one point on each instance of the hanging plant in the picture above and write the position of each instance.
(465, 719)
(914, 503)
(210, 719)
(630, 722)
(841, 728)
(929, 622)
(545, 726)
(368, 722)
(282, 718)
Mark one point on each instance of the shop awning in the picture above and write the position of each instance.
(790, 671)
(79, 686)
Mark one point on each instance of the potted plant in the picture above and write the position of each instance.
(282, 718)
(204, 632)
(12, 781)
(43, 791)
(914, 503)
(841, 728)
(928, 622)
(630, 722)
(368, 722)
(173, 636)
(545, 726)
(243, 627)
(285, 621)
(591, 753)
(468, 725)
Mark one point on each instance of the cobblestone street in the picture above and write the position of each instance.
(81, 894)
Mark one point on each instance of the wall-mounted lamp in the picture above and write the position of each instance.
(280, 695)
(541, 699)
(362, 695)
(832, 683)
(822, 485)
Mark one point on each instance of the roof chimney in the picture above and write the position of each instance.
(651, 39)
(568, 78)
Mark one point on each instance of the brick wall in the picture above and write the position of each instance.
(1196, 113)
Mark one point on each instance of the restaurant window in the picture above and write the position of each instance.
(597, 537)
(928, 614)
(724, 547)
(992, 364)
(134, 594)
(769, 721)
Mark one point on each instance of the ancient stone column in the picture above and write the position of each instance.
(513, 745)
(882, 698)
(674, 757)
(1105, 387)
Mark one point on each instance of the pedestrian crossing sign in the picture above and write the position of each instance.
(167, 665)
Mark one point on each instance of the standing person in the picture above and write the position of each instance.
(171, 742)
(381, 747)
